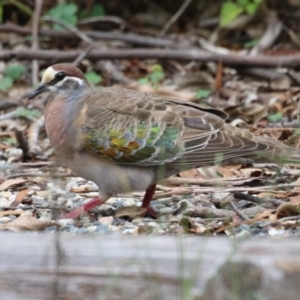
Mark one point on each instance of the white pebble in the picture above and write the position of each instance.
(5, 194)
(4, 203)
(14, 152)
(130, 202)
(5, 220)
(64, 222)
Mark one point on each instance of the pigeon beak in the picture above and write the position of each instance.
(42, 88)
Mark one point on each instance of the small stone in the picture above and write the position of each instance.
(152, 224)
(64, 222)
(14, 152)
(5, 220)
(166, 210)
(130, 202)
(5, 194)
(38, 200)
(4, 203)
(46, 215)
(43, 194)
(130, 230)
(91, 229)
(61, 200)
(35, 188)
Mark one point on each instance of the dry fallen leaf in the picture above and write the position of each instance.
(10, 182)
(106, 220)
(11, 212)
(130, 211)
(27, 221)
(84, 189)
(19, 198)
(287, 209)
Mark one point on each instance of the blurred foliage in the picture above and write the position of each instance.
(202, 93)
(64, 11)
(31, 114)
(12, 73)
(93, 78)
(155, 76)
(232, 9)
(275, 117)
(70, 13)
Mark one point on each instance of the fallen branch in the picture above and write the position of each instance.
(63, 34)
(68, 266)
(291, 61)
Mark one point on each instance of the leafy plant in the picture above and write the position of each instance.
(64, 11)
(93, 78)
(28, 113)
(97, 10)
(232, 9)
(275, 117)
(155, 76)
(14, 71)
(202, 93)
(11, 73)
(10, 141)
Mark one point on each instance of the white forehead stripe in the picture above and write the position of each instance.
(60, 83)
(48, 75)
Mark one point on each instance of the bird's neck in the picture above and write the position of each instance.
(60, 115)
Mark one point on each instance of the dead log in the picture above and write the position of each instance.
(65, 266)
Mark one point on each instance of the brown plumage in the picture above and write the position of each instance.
(125, 140)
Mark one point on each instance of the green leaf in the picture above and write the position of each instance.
(143, 81)
(29, 113)
(10, 141)
(93, 78)
(251, 8)
(64, 11)
(5, 84)
(14, 71)
(156, 68)
(251, 43)
(229, 12)
(243, 3)
(156, 77)
(97, 10)
(1, 12)
(275, 117)
(202, 94)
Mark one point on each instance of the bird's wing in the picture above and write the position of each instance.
(130, 127)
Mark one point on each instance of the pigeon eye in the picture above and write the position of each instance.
(60, 76)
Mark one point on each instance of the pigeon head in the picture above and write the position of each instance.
(61, 79)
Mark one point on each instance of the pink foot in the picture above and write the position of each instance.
(146, 201)
(82, 209)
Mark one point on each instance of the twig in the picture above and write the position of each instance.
(7, 104)
(251, 198)
(38, 5)
(63, 34)
(270, 35)
(111, 19)
(82, 55)
(70, 28)
(33, 136)
(238, 212)
(175, 17)
(292, 61)
(23, 144)
(39, 175)
(10, 115)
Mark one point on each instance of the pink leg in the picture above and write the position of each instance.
(147, 199)
(84, 208)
